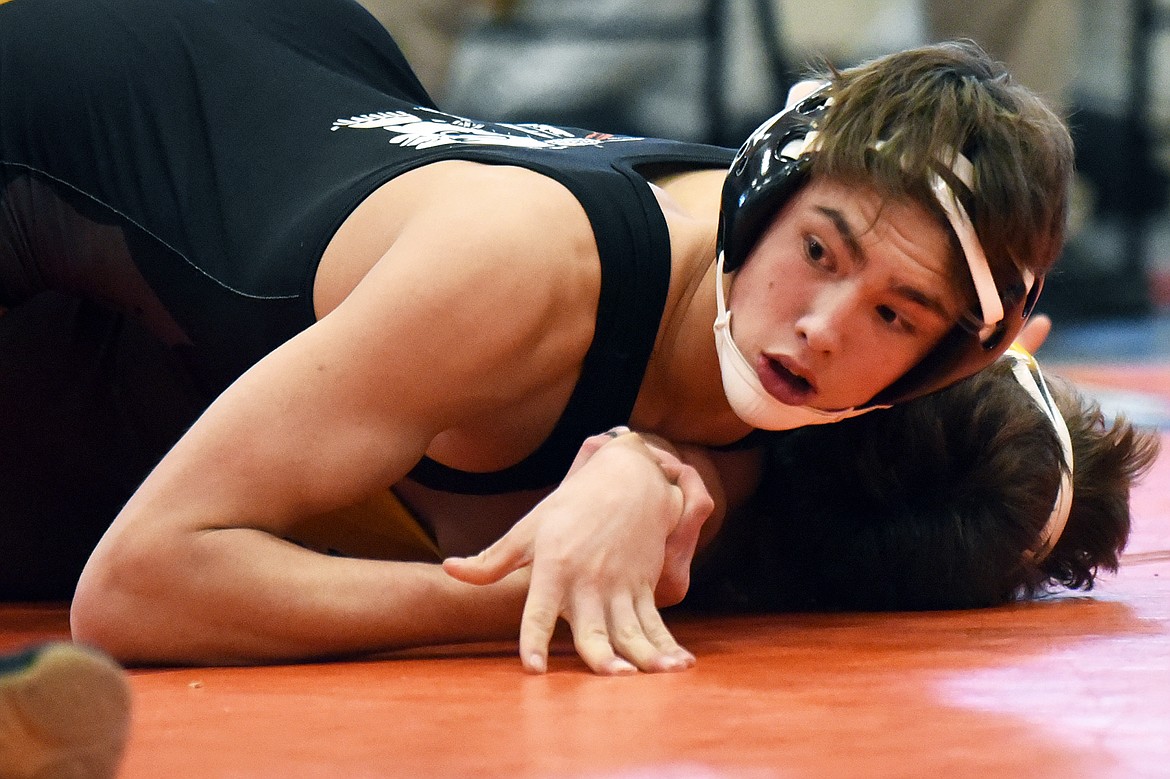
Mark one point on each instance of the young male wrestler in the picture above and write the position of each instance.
(375, 291)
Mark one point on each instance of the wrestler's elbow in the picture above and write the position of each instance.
(116, 606)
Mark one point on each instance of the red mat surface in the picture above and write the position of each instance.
(1072, 686)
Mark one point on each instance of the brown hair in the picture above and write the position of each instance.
(930, 504)
(923, 105)
(1108, 458)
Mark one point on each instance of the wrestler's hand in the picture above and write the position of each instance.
(675, 580)
(1034, 333)
(680, 545)
(598, 545)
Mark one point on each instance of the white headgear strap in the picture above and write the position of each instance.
(1027, 372)
(986, 292)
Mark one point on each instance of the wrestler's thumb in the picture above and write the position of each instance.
(492, 564)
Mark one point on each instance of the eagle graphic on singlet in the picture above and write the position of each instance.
(430, 129)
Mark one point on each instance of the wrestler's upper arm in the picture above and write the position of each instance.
(472, 308)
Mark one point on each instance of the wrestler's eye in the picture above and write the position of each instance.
(894, 319)
(816, 252)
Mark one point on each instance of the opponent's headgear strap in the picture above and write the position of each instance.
(1027, 372)
(774, 163)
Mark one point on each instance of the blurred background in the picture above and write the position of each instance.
(711, 70)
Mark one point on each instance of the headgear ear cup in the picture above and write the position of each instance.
(768, 169)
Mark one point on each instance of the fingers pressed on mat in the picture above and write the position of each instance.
(592, 640)
(630, 638)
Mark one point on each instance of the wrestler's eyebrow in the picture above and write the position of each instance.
(915, 295)
(906, 291)
(846, 232)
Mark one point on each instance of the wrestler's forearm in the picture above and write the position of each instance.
(238, 596)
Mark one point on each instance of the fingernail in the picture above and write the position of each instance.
(620, 666)
(537, 663)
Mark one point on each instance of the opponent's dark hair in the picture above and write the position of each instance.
(930, 504)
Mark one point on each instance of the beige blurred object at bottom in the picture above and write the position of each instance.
(64, 713)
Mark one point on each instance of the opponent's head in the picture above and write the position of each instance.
(998, 487)
(941, 126)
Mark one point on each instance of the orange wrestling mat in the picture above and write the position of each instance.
(1073, 686)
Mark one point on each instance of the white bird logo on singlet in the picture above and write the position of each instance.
(438, 129)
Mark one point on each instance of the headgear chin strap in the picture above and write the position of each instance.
(1027, 372)
(774, 163)
(745, 393)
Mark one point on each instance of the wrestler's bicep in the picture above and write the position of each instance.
(300, 433)
(430, 340)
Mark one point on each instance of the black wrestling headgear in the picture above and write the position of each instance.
(767, 170)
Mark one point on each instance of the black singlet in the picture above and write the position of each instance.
(188, 161)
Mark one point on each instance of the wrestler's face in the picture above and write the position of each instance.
(843, 294)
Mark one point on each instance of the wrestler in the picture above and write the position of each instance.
(371, 292)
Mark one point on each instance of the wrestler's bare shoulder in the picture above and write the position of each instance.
(467, 209)
(494, 267)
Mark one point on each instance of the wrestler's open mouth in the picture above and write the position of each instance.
(783, 382)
